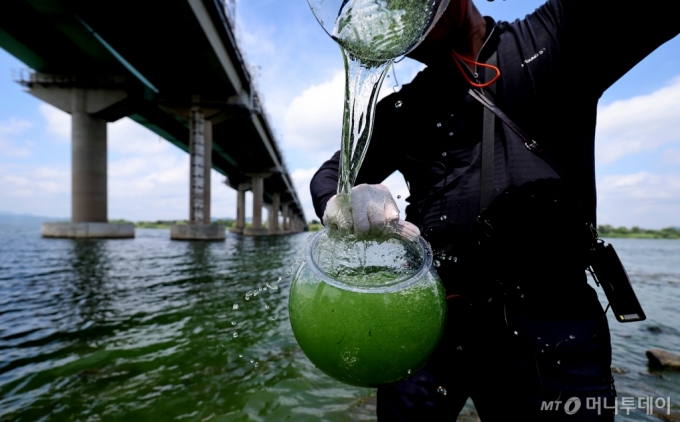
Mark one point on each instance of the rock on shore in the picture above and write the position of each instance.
(663, 359)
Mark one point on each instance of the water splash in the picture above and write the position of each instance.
(362, 83)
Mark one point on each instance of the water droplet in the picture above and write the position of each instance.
(437, 263)
(266, 306)
(398, 104)
(256, 364)
(450, 133)
(572, 337)
(542, 351)
(516, 333)
(252, 360)
(260, 289)
(443, 217)
(439, 125)
(235, 306)
(408, 372)
(559, 362)
(273, 287)
(240, 356)
(459, 348)
(254, 293)
(443, 154)
(235, 334)
(441, 390)
(247, 297)
(264, 288)
(289, 272)
(273, 318)
(398, 196)
(451, 115)
(522, 296)
(233, 323)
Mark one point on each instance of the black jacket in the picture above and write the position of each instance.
(555, 65)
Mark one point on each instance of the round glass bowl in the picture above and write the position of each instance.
(367, 313)
(378, 30)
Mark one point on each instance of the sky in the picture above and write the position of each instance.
(299, 73)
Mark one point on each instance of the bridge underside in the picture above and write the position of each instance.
(167, 56)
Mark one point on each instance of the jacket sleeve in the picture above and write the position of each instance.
(381, 159)
(600, 40)
(324, 184)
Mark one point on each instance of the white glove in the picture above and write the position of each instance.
(371, 214)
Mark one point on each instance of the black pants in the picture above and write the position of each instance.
(519, 356)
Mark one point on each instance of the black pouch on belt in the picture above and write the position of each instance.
(610, 274)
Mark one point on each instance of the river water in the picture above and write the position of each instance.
(151, 329)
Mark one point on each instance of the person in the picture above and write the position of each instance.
(526, 337)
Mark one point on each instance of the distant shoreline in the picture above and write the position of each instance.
(605, 230)
(638, 233)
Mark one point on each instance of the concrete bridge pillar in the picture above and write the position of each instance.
(241, 207)
(88, 164)
(256, 228)
(200, 153)
(285, 221)
(270, 217)
(274, 221)
(89, 195)
(291, 220)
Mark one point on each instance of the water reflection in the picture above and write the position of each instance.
(142, 330)
(88, 282)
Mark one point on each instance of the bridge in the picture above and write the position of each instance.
(173, 66)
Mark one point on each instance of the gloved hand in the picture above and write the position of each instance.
(370, 214)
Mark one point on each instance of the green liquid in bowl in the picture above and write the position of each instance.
(368, 337)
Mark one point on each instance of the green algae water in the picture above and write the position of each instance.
(380, 30)
(367, 339)
(367, 313)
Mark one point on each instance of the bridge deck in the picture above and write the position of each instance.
(167, 51)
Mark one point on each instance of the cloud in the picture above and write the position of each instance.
(14, 126)
(57, 122)
(639, 124)
(301, 180)
(671, 156)
(10, 144)
(42, 190)
(640, 199)
(313, 121)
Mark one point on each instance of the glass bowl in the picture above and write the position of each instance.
(367, 313)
